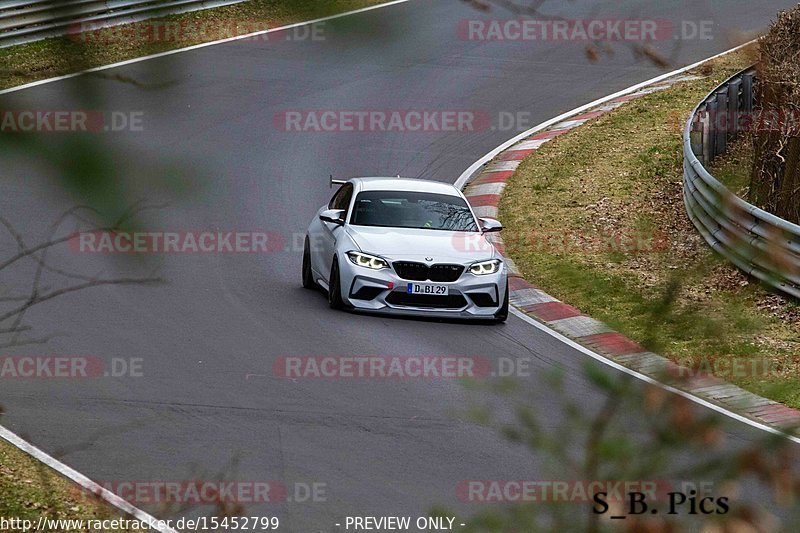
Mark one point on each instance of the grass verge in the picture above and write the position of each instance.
(734, 168)
(596, 218)
(29, 490)
(64, 55)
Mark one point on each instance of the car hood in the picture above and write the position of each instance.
(420, 244)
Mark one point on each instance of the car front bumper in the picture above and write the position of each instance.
(383, 291)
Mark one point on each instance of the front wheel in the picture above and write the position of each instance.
(502, 314)
(334, 288)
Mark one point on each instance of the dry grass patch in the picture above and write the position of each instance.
(29, 490)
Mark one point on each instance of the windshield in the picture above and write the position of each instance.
(419, 210)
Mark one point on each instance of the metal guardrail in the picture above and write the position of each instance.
(759, 243)
(23, 21)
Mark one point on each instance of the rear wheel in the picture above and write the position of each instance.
(334, 288)
(502, 314)
(308, 277)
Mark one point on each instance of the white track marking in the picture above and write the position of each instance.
(201, 45)
(80, 479)
(603, 359)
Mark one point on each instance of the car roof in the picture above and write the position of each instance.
(404, 184)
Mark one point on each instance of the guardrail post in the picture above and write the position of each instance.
(710, 144)
(734, 106)
(720, 125)
(698, 134)
(707, 145)
(747, 92)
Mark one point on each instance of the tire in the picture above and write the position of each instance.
(308, 276)
(502, 314)
(334, 288)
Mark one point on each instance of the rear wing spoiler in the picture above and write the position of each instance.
(335, 182)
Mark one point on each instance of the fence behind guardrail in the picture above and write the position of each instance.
(23, 21)
(759, 243)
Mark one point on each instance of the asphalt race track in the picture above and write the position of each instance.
(209, 403)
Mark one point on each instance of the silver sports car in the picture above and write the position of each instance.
(406, 247)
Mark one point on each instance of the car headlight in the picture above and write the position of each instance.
(485, 267)
(367, 261)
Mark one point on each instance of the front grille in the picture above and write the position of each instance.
(413, 271)
(451, 301)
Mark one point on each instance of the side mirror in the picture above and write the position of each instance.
(489, 225)
(334, 216)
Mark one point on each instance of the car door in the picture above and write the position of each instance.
(330, 231)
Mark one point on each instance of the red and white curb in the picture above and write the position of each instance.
(484, 188)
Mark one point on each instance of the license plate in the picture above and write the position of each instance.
(427, 288)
